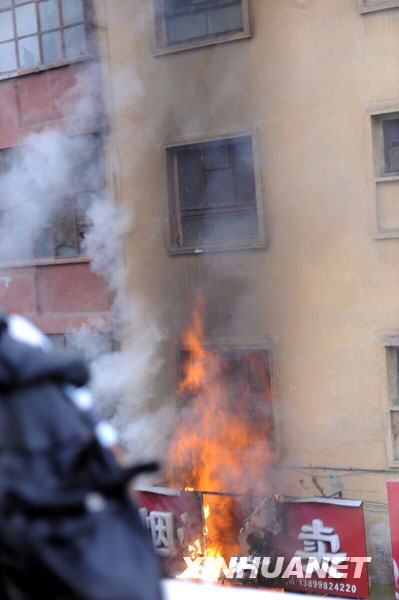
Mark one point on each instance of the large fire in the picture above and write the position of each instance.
(223, 442)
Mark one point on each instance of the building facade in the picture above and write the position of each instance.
(257, 146)
(49, 82)
(255, 143)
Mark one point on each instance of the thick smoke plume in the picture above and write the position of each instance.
(35, 178)
(125, 381)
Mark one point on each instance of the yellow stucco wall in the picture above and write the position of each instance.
(325, 290)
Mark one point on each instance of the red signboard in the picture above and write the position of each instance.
(315, 529)
(320, 527)
(175, 520)
(393, 507)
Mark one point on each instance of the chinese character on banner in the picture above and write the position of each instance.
(174, 520)
(319, 541)
(325, 528)
(161, 526)
(393, 507)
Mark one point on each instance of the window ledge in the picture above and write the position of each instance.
(387, 178)
(42, 262)
(196, 44)
(46, 67)
(390, 340)
(234, 246)
(378, 6)
(387, 235)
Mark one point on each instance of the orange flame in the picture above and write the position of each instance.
(223, 441)
(196, 550)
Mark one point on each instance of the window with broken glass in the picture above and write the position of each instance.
(61, 233)
(214, 199)
(188, 21)
(41, 32)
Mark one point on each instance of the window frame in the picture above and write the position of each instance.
(174, 216)
(377, 5)
(31, 261)
(391, 351)
(89, 36)
(380, 167)
(162, 47)
(380, 177)
(265, 346)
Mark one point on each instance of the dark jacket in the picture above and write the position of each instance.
(68, 528)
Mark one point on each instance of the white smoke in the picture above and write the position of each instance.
(34, 181)
(32, 188)
(124, 382)
(104, 241)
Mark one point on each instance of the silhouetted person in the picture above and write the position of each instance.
(68, 528)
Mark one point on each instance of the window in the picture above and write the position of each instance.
(214, 203)
(183, 24)
(386, 144)
(236, 392)
(61, 235)
(385, 140)
(91, 344)
(40, 32)
(391, 144)
(393, 398)
(366, 6)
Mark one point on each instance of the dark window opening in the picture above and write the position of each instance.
(246, 376)
(187, 20)
(91, 345)
(391, 144)
(39, 32)
(213, 188)
(231, 411)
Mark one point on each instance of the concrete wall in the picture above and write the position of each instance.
(326, 288)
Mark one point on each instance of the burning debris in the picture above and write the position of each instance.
(258, 537)
(259, 529)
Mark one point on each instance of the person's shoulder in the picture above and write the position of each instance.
(22, 330)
